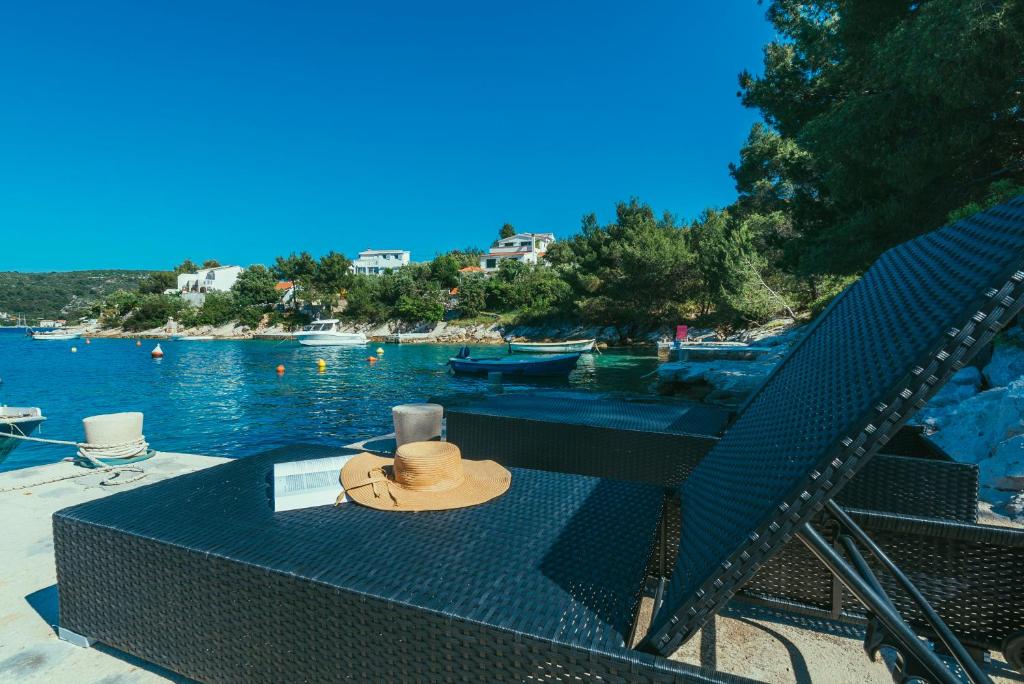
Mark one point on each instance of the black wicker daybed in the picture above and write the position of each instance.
(198, 575)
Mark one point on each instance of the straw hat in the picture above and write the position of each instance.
(423, 476)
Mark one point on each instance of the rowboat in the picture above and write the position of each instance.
(16, 420)
(551, 364)
(55, 335)
(567, 347)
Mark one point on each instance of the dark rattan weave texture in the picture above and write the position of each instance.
(198, 575)
(879, 352)
(969, 573)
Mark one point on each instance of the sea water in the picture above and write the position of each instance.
(225, 398)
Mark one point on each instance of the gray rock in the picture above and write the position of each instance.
(971, 430)
(715, 382)
(962, 386)
(1016, 506)
(1007, 365)
(1005, 468)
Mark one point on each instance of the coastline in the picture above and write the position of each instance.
(451, 332)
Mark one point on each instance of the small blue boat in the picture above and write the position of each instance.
(534, 366)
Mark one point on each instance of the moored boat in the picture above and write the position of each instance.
(566, 347)
(59, 334)
(551, 364)
(326, 333)
(16, 420)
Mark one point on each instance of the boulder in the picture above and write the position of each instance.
(1006, 365)
(719, 381)
(971, 430)
(962, 386)
(1004, 470)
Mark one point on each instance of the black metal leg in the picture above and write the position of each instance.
(945, 634)
(878, 605)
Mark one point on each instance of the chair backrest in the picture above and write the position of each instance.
(875, 356)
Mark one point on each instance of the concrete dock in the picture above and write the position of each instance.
(742, 641)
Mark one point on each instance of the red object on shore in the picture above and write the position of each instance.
(681, 332)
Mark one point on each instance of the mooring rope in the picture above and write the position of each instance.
(89, 456)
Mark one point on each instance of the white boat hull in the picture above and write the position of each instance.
(567, 347)
(332, 339)
(55, 336)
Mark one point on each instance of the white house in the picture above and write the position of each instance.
(219, 279)
(526, 247)
(377, 261)
(194, 286)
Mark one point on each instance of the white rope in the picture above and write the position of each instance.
(129, 449)
(91, 453)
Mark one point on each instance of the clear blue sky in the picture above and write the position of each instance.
(135, 134)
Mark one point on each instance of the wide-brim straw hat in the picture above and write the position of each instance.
(423, 476)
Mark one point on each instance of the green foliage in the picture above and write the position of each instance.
(472, 294)
(67, 295)
(157, 282)
(186, 266)
(255, 287)
(507, 231)
(998, 192)
(636, 270)
(152, 311)
(444, 270)
(211, 263)
(883, 119)
(419, 308)
(218, 308)
(330, 279)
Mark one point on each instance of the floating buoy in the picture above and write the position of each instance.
(280, 368)
(88, 341)
(371, 359)
(380, 351)
(138, 343)
(321, 363)
(157, 352)
(74, 350)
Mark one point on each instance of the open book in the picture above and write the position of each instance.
(302, 484)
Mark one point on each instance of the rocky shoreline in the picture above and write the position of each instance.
(977, 417)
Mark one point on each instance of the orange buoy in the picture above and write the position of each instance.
(280, 368)
(157, 352)
(371, 359)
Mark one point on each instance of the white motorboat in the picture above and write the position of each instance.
(58, 334)
(567, 347)
(325, 332)
(192, 338)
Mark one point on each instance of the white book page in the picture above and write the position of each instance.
(303, 484)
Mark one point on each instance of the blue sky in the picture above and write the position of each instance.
(135, 134)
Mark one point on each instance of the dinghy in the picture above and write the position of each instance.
(15, 420)
(567, 347)
(547, 365)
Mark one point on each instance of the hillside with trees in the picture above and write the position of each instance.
(67, 294)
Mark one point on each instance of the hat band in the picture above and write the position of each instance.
(375, 479)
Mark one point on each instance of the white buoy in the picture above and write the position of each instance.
(74, 350)
(157, 352)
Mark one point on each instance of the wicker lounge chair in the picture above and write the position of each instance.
(197, 575)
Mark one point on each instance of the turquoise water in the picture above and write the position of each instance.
(224, 398)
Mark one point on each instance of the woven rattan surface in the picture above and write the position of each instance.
(973, 575)
(197, 574)
(577, 408)
(879, 352)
